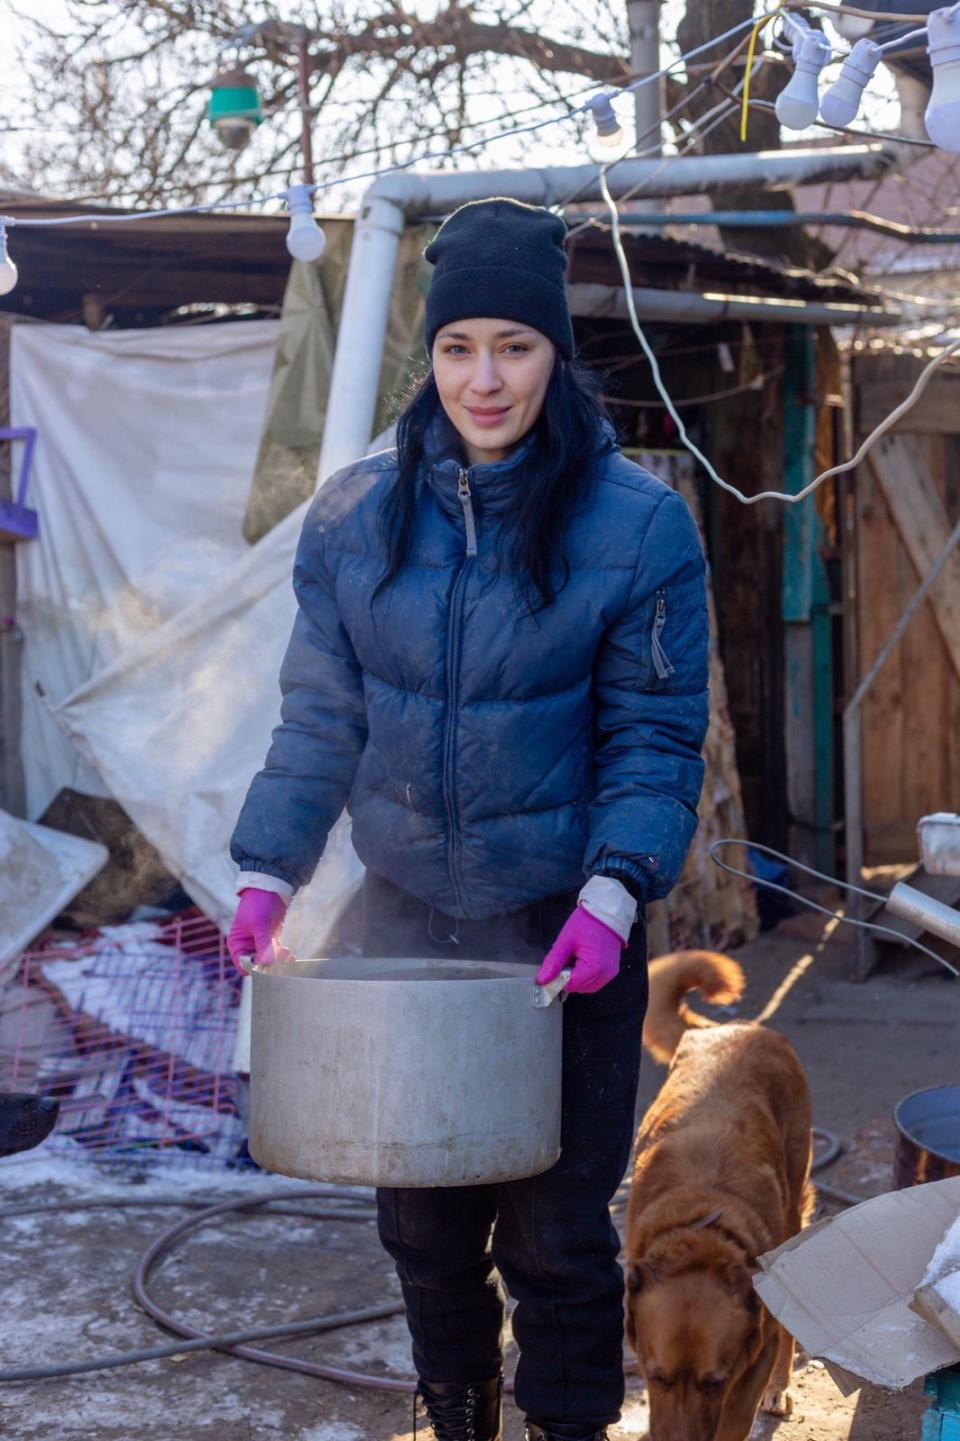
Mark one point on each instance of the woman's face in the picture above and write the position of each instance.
(492, 376)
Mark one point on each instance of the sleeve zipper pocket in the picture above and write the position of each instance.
(661, 663)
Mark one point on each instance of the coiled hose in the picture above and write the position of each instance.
(356, 1204)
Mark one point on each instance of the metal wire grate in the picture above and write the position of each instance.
(132, 1030)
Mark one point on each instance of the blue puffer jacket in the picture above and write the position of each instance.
(489, 757)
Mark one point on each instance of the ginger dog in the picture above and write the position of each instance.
(721, 1175)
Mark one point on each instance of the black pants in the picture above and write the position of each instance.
(550, 1237)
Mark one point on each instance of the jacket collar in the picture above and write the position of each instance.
(493, 484)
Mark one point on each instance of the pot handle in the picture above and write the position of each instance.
(543, 995)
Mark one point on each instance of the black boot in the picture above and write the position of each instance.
(562, 1431)
(464, 1413)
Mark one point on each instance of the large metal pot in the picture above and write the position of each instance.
(403, 1072)
(928, 1136)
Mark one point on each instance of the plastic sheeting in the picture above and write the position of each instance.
(178, 720)
(178, 725)
(286, 470)
(146, 448)
(164, 681)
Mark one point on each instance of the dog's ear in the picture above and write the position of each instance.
(740, 1281)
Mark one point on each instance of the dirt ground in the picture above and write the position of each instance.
(66, 1276)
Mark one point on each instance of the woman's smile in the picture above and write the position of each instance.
(491, 377)
(487, 416)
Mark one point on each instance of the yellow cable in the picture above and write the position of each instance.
(754, 34)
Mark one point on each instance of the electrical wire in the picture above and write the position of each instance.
(888, 18)
(319, 187)
(791, 499)
(857, 132)
(756, 385)
(754, 879)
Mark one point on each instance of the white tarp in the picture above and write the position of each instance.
(178, 726)
(146, 447)
(155, 631)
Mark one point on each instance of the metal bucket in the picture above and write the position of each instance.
(403, 1072)
(928, 1136)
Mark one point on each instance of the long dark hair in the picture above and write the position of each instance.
(566, 437)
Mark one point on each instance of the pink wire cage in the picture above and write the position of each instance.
(132, 1029)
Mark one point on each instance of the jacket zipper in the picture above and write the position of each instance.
(466, 500)
(661, 662)
(454, 637)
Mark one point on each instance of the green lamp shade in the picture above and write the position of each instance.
(234, 96)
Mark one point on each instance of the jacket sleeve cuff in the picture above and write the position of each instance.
(260, 881)
(610, 902)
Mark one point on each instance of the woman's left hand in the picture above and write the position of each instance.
(593, 948)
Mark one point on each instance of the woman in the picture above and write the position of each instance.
(500, 664)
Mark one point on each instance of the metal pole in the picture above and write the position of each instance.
(306, 128)
(643, 18)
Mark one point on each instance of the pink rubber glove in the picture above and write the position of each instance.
(593, 948)
(256, 927)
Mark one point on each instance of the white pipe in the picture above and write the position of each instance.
(396, 198)
(352, 402)
(438, 192)
(925, 912)
(690, 306)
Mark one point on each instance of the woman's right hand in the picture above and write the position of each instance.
(256, 928)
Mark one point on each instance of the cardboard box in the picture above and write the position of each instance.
(845, 1287)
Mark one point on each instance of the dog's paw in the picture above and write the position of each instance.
(777, 1401)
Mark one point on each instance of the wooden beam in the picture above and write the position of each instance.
(935, 413)
(921, 518)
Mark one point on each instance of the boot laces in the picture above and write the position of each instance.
(453, 1418)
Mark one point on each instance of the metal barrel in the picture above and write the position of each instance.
(928, 1136)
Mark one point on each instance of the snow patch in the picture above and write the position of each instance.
(946, 1257)
(332, 1431)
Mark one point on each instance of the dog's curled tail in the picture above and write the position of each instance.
(717, 977)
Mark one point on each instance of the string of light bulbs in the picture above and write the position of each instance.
(800, 102)
(305, 239)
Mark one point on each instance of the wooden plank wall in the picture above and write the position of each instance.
(905, 498)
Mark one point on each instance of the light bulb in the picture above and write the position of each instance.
(799, 103)
(305, 239)
(609, 130)
(851, 27)
(8, 271)
(842, 101)
(943, 111)
(234, 132)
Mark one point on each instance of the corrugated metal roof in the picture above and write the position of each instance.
(141, 270)
(665, 261)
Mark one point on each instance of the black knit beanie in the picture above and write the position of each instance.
(502, 259)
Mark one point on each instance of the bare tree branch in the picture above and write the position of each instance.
(117, 91)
